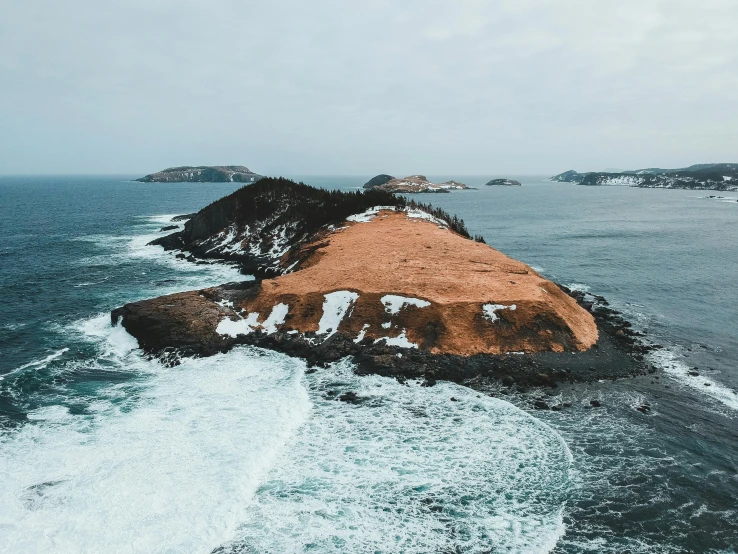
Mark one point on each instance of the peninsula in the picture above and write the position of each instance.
(718, 176)
(398, 285)
(203, 174)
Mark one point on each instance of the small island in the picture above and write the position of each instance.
(400, 286)
(411, 184)
(503, 183)
(203, 174)
(715, 176)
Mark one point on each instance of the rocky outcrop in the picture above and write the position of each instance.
(723, 177)
(377, 278)
(503, 183)
(203, 174)
(416, 184)
(394, 286)
(377, 180)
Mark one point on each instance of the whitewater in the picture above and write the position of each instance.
(105, 450)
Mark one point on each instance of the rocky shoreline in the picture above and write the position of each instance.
(618, 353)
(374, 283)
(722, 177)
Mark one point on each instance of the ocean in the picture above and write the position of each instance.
(105, 450)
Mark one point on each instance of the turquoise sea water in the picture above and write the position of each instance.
(104, 450)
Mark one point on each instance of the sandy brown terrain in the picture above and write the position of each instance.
(394, 254)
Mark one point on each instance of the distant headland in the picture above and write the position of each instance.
(203, 174)
(716, 176)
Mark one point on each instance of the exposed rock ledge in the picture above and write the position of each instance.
(404, 294)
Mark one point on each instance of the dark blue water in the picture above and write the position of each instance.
(84, 415)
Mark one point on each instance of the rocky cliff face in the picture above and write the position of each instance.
(203, 174)
(723, 177)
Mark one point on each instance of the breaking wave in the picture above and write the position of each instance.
(244, 451)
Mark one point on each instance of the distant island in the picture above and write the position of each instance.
(717, 176)
(203, 174)
(410, 184)
(504, 183)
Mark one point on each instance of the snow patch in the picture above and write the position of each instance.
(400, 341)
(279, 312)
(369, 214)
(420, 214)
(361, 334)
(490, 310)
(393, 303)
(242, 326)
(335, 306)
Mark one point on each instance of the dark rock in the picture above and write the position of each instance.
(693, 373)
(504, 183)
(595, 403)
(540, 405)
(183, 217)
(453, 399)
(168, 228)
(508, 381)
(378, 180)
(350, 396)
(644, 408)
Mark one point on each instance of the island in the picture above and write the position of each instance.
(715, 176)
(411, 184)
(503, 183)
(203, 174)
(399, 286)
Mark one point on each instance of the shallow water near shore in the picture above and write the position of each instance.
(102, 449)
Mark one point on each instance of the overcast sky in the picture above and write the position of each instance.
(364, 87)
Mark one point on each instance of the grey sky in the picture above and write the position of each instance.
(291, 86)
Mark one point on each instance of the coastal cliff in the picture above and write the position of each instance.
(722, 177)
(203, 174)
(399, 286)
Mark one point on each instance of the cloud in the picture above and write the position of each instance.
(364, 87)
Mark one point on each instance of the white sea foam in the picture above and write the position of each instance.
(208, 453)
(165, 463)
(409, 470)
(335, 307)
(671, 363)
(42, 363)
(116, 249)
